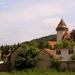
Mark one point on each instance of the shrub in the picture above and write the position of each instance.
(55, 63)
(26, 58)
(72, 67)
(63, 67)
(72, 57)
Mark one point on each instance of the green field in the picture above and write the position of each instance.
(37, 72)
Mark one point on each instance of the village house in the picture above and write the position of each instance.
(44, 57)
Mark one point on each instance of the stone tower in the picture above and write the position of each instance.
(61, 29)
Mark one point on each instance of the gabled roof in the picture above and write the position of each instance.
(62, 26)
(52, 43)
(13, 50)
(67, 35)
(49, 51)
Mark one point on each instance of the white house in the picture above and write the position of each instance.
(64, 53)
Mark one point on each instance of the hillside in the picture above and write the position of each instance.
(43, 39)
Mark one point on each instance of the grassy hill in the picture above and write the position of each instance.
(43, 39)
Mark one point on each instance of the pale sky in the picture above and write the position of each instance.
(24, 20)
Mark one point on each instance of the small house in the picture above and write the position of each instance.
(44, 58)
(64, 53)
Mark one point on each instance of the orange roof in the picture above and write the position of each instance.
(49, 50)
(52, 43)
(52, 52)
(8, 55)
(67, 35)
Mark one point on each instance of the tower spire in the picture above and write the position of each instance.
(62, 26)
(61, 29)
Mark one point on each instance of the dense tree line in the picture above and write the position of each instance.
(43, 39)
(5, 49)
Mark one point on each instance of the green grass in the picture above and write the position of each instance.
(37, 72)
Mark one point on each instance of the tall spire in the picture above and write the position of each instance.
(62, 26)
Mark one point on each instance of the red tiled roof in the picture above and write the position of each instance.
(67, 35)
(52, 52)
(49, 50)
(52, 43)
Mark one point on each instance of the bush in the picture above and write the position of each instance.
(63, 67)
(72, 67)
(55, 63)
(72, 57)
(26, 58)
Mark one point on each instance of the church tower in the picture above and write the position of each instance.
(61, 29)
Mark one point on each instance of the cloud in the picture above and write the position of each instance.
(2, 3)
(32, 12)
(51, 21)
(28, 21)
(8, 6)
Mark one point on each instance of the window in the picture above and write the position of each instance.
(71, 51)
(58, 52)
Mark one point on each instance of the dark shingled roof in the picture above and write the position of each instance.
(62, 26)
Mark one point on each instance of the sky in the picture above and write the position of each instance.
(24, 20)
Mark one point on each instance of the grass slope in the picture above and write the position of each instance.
(37, 72)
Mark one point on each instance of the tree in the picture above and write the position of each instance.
(73, 35)
(72, 57)
(26, 57)
(33, 43)
(65, 44)
(55, 63)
